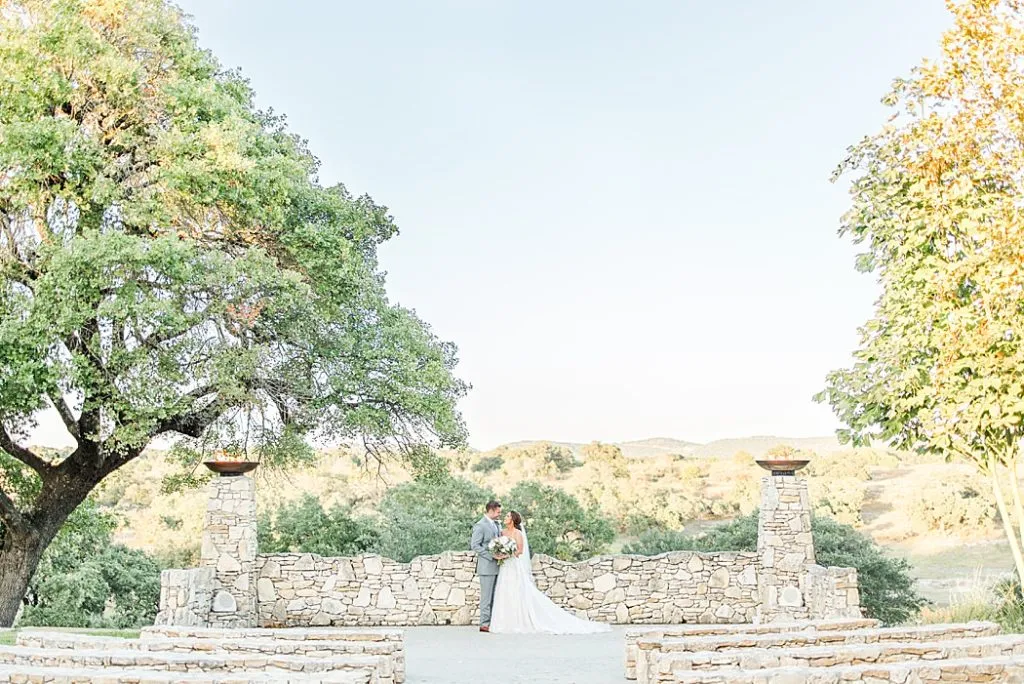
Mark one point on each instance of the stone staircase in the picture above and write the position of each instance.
(824, 652)
(170, 654)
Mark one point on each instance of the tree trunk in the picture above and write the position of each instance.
(1004, 513)
(18, 560)
(20, 552)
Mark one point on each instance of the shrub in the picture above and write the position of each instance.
(85, 580)
(842, 499)
(558, 525)
(954, 505)
(886, 586)
(304, 526)
(1002, 603)
(422, 518)
(561, 459)
(488, 464)
(655, 541)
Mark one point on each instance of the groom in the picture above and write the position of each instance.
(486, 565)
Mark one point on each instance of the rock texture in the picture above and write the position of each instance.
(236, 587)
(302, 589)
(806, 652)
(197, 654)
(785, 548)
(656, 635)
(229, 548)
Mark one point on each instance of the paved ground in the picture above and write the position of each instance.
(462, 655)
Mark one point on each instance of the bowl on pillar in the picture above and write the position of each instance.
(783, 461)
(231, 468)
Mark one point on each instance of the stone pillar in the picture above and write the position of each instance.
(784, 546)
(229, 548)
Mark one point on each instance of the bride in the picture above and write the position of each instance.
(519, 607)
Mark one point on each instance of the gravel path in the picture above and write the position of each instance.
(462, 655)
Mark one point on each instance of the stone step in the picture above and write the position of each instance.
(22, 674)
(287, 633)
(380, 667)
(994, 669)
(917, 633)
(662, 666)
(310, 649)
(679, 631)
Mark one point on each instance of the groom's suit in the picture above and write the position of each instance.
(486, 567)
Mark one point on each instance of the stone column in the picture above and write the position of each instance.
(229, 548)
(784, 546)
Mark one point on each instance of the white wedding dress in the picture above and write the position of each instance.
(521, 608)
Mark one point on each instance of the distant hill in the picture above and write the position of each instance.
(658, 446)
(758, 446)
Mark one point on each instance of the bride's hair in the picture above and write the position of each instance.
(517, 520)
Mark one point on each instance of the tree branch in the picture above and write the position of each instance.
(12, 517)
(70, 422)
(21, 453)
(193, 424)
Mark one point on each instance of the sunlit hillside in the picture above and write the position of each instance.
(938, 514)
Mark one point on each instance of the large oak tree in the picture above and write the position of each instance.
(170, 267)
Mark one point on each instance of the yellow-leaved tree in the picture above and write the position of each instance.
(937, 198)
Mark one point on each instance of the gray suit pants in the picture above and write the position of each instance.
(487, 583)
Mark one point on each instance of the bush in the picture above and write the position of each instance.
(304, 526)
(558, 525)
(1002, 604)
(423, 518)
(85, 580)
(654, 541)
(841, 499)
(954, 505)
(488, 464)
(560, 458)
(886, 586)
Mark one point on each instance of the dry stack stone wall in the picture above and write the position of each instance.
(229, 549)
(236, 587)
(302, 589)
(785, 547)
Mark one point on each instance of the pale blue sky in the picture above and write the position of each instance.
(620, 212)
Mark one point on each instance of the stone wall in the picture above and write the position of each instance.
(236, 587)
(186, 597)
(302, 589)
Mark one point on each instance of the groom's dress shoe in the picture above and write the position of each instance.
(485, 628)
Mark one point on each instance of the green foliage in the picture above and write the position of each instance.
(425, 464)
(85, 580)
(560, 458)
(841, 498)
(936, 195)
(171, 267)
(654, 541)
(305, 526)
(422, 518)
(1002, 603)
(488, 464)
(954, 505)
(558, 525)
(886, 586)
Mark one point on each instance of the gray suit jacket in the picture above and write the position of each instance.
(483, 532)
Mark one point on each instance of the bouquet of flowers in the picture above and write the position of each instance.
(502, 546)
